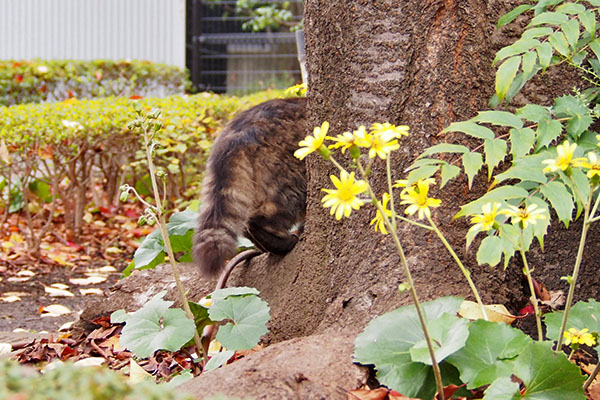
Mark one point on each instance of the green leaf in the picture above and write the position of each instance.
(537, 32)
(529, 62)
(521, 141)
(513, 14)
(547, 131)
(472, 163)
(471, 129)
(42, 190)
(488, 353)
(506, 74)
(503, 388)
(249, 316)
(595, 46)
(155, 326)
(151, 251)
(571, 31)
(119, 316)
(583, 314)
(559, 43)
(547, 375)
(561, 200)
(550, 18)
(502, 118)
(519, 47)
(499, 195)
(182, 222)
(422, 173)
(545, 51)
(448, 172)
(387, 340)
(200, 313)
(182, 243)
(495, 151)
(523, 173)
(221, 294)
(448, 333)
(533, 112)
(444, 148)
(218, 360)
(508, 233)
(490, 251)
(574, 107)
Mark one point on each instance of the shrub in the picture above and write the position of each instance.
(44, 80)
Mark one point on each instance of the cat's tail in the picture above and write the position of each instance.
(212, 246)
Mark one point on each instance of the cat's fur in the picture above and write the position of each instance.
(254, 186)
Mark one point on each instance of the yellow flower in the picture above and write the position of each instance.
(378, 220)
(593, 166)
(345, 141)
(388, 131)
(312, 143)
(403, 182)
(344, 198)
(485, 221)
(582, 336)
(377, 144)
(525, 216)
(564, 158)
(297, 90)
(416, 197)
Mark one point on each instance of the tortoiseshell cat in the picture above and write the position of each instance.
(254, 186)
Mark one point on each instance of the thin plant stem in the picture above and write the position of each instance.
(388, 170)
(591, 378)
(413, 292)
(573, 281)
(162, 225)
(464, 270)
(534, 300)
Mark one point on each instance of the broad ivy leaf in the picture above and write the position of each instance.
(221, 294)
(182, 243)
(151, 251)
(584, 314)
(495, 151)
(118, 316)
(218, 360)
(513, 14)
(490, 251)
(488, 353)
(521, 141)
(501, 118)
(499, 194)
(448, 333)
(156, 327)
(200, 313)
(249, 316)
(472, 162)
(561, 200)
(387, 340)
(471, 129)
(503, 388)
(506, 74)
(448, 172)
(183, 222)
(547, 375)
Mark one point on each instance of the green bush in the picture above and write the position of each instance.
(45, 80)
(67, 382)
(71, 144)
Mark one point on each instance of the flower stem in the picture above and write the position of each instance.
(388, 170)
(591, 378)
(573, 281)
(162, 225)
(464, 270)
(534, 300)
(413, 292)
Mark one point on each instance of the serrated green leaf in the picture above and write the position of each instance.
(559, 43)
(508, 247)
(513, 14)
(448, 172)
(523, 173)
(521, 141)
(495, 151)
(249, 315)
(545, 52)
(506, 74)
(533, 112)
(386, 342)
(561, 200)
(501, 118)
(218, 360)
(448, 333)
(488, 353)
(445, 148)
(577, 110)
(490, 251)
(548, 17)
(155, 326)
(547, 375)
(547, 131)
(471, 129)
(519, 47)
(472, 163)
(497, 195)
(221, 294)
(588, 20)
(583, 314)
(422, 173)
(540, 228)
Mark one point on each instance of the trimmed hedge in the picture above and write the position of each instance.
(71, 148)
(45, 80)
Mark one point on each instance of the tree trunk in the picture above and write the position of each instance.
(422, 63)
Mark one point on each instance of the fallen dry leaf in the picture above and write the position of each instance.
(496, 312)
(90, 362)
(56, 292)
(66, 326)
(91, 291)
(137, 374)
(557, 299)
(26, 273)
(5, 348)
(54, 310)
(90, 280)
(5, 298)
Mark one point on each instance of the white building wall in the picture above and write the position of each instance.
(151, 30)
